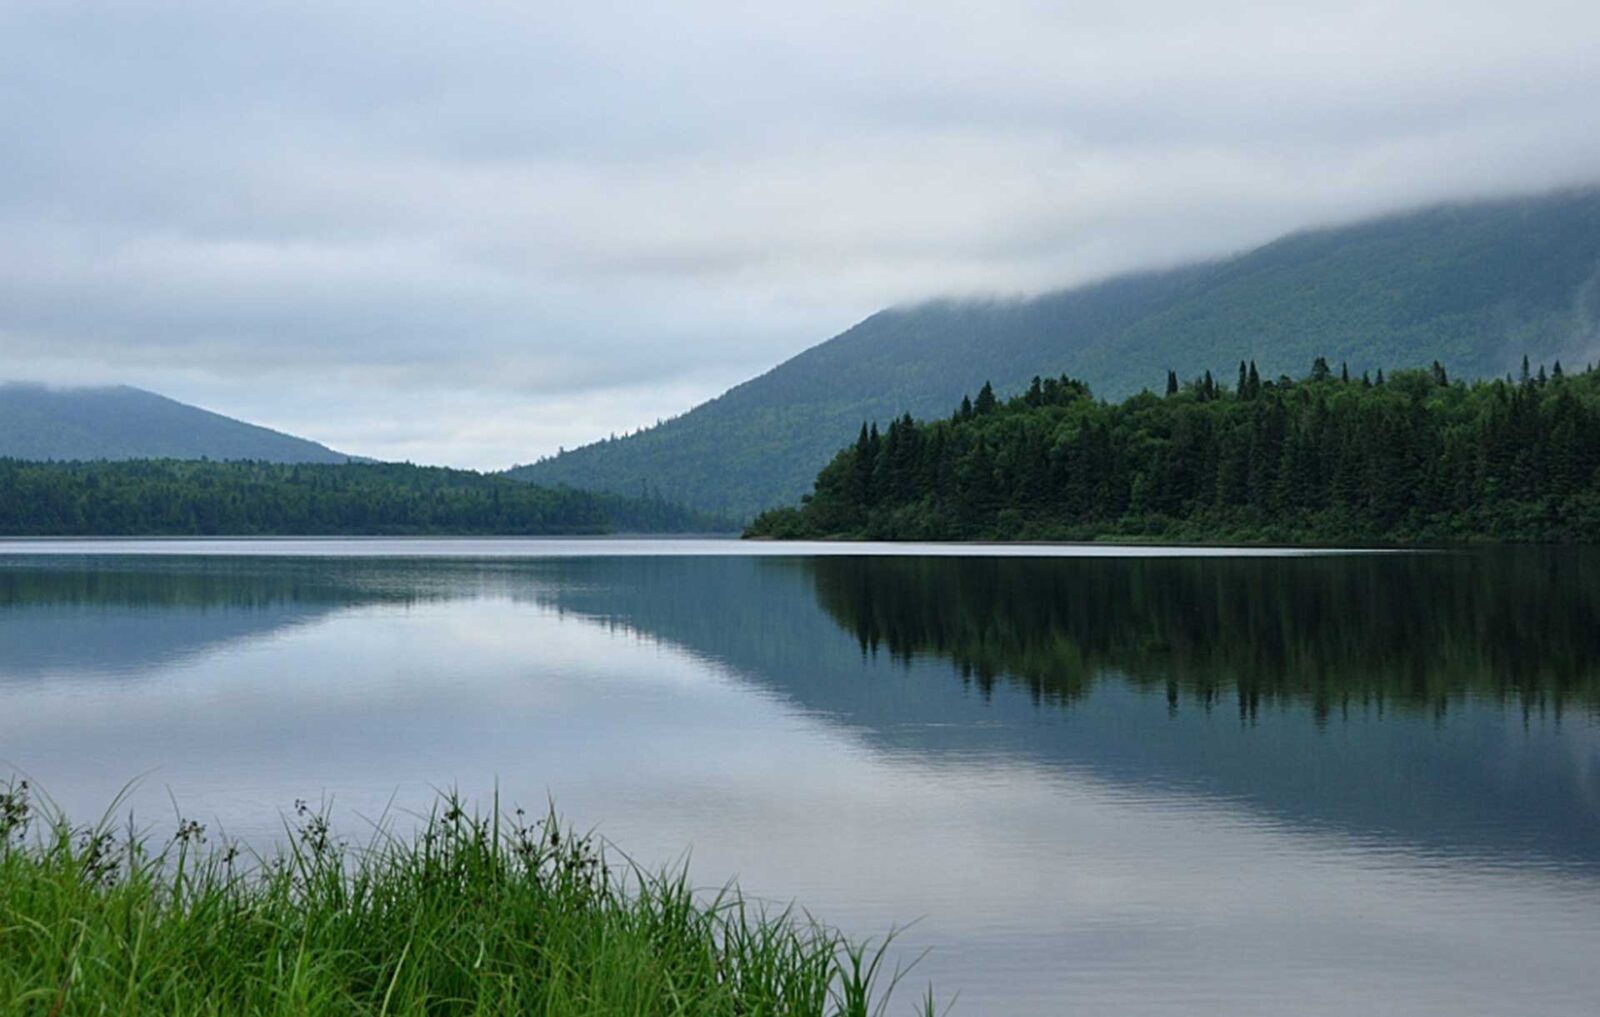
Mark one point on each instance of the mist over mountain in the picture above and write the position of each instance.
(120, 422)
(1476, 285)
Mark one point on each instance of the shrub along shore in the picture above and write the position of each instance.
(474, 914)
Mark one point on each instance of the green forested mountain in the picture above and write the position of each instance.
(1477, 286)
(120, 422)
(186, 498)
(1332, 457)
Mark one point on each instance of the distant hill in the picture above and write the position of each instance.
(1475, 285)
(171, 497)
(39, 422)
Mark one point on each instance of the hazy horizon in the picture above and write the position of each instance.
(1221, 256)
(471, 236)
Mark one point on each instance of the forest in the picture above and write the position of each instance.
(1330, 457)
(198, 498)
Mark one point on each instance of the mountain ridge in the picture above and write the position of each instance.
(116, 422)
(1477, 284)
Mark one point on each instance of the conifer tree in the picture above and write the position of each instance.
(986, 400)
(1172, 383)
(861, 477)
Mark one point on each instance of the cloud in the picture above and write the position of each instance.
(568, 213)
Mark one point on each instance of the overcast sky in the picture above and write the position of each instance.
(469, 233)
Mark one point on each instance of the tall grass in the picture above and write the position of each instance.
(473, 913)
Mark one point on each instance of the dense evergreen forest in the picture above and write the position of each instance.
(1329, 457)
(1474, 285)
(188, 498)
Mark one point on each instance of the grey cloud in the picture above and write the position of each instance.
(570, 212)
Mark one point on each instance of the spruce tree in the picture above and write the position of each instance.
(986, 400)
(861, 476)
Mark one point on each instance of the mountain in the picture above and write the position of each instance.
(1475, 285)
(39, 422)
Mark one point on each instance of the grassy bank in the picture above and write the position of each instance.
(472, 914)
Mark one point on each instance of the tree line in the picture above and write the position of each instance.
(201, 498)
(1413, 456)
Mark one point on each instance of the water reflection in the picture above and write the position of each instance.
(1413, 631)
(1113, 785)
(1444, 677)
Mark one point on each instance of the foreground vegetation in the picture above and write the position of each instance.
(1330, 457)
(474, 915)
(169, 497)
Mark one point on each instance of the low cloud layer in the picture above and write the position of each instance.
(472, 233)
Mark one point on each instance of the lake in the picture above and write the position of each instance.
(1097, 780)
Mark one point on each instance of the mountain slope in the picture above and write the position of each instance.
(1475, 285)
(120, 422)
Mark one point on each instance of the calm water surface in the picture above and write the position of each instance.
(1103, 781)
